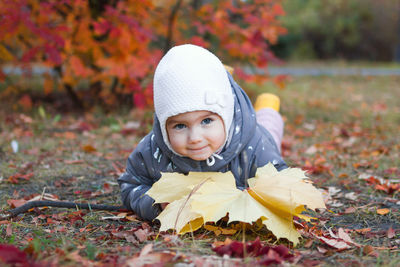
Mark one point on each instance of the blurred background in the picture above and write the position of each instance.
(364, 30)
(79, 55)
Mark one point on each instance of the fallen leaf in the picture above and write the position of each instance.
(15, 179)
(336, 243)
(113, 218)
(165, 191)
(322, 250)
(15, 203)
(344, 236)
(178, 215)
(349, 210)
(382, 211)
(12, 256)
(219, 230)
(9, 230)
(214, 201)
(88, 148)
(333, 190)
(363, 230)
(309, 243)
(269, 254)
(146, 249)
(141, 235)
(391, 232)
(370, 251)
(273, 196)
(285, 190)
(351, 196)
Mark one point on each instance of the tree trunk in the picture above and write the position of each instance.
(171, 22)
(397, 52)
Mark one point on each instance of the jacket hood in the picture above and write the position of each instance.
(241, 131)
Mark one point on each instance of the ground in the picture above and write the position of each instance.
(343, 130)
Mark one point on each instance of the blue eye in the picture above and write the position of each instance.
(206, 121)
(179, 126)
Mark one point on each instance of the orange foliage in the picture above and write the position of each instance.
(115, 47)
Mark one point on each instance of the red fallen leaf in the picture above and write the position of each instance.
(75, 216)
(13, 256)
(255, 248)
(370, 251)
(14, 179)
(15, 203)
(272, 257)
(9, 230)
(388, 188)
(391, 232)
(107, 188)
(146, 226)
(141, 235)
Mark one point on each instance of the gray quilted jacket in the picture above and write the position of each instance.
(250, 146)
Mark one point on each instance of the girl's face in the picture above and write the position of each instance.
(196, 134)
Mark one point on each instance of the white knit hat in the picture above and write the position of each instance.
(190, 78)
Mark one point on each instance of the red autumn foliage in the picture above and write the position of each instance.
(106, 51)
(12, 256)
(268, 254)
(389, 188)
(15, 179)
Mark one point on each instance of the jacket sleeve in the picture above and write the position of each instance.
(137, 179)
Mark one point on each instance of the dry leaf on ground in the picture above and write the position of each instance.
(273, 196)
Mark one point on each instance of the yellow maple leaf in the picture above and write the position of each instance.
(200, 197)
(286, 192)
(173, 186)
(178, 215)
(213, 201)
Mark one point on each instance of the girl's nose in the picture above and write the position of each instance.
(195, 135)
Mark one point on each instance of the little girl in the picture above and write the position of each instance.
(204, 122)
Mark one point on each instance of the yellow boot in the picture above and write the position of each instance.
(267, 100)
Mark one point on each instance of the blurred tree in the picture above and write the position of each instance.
(105, 51)
(350, 29)
(397, 53)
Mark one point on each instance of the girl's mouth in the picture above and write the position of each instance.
(196, 150)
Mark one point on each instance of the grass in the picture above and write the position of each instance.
(339, 64)
(340, 128)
